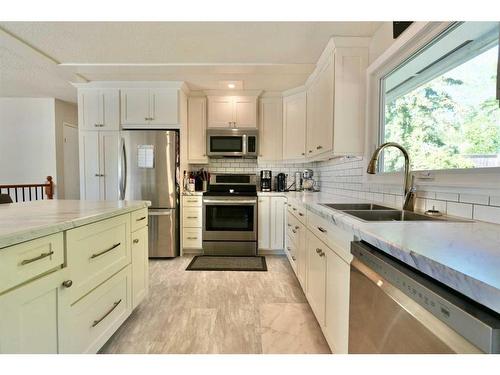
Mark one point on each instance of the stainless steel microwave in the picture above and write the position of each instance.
(232, 142)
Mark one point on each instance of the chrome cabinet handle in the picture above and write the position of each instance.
(136, 240)
(293, 258)
(41, 256)
(99, 175)
(288, 248)
(289, 205)
(322, 230)
(294, 209)
(318, 250)
(319, 147)
(322, 254)
(96, 322)
(141, 218)
(301, 214)
(294, 231)
(105, 251)
(192, 217)
(191, 201)
(310, 151)
(302, 153)
(67, 283)
(289, 225)
(99, 125)
(192, 238)
(297, 227)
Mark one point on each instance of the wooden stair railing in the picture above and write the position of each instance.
(29, 192)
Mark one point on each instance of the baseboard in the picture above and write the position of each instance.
(271, 252)
(192, 251)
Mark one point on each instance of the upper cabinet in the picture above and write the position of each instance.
(294, 126)
(197, 126)
(98, 109)
(232, 111)
(270, 128)
(150, 106)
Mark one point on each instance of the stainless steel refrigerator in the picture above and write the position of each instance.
(149, 170)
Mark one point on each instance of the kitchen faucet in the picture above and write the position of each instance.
(409, 188)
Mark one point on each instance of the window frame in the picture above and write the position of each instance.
(416, 37)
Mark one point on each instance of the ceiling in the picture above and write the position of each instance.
(41, 58)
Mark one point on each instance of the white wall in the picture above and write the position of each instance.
(27, 140)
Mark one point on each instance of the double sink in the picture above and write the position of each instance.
(375, 212)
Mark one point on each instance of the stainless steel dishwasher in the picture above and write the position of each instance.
(396, 309)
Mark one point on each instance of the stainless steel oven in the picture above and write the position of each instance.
(232, 142)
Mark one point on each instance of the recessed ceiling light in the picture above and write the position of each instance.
(231, 85)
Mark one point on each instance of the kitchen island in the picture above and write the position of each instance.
(71, 272)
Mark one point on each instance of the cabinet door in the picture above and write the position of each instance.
(197, 126)
(278, 212)
(294, 126)
(322, 140)
(140, 266)
(29, 316)
(271, 129)
(220, 112)
(264, 222)
(316, 276)
(89, 109)
(135, 106)
(110, 109)
(109, 154)
(301, 256)
(164, 106)
(245, 111)
(337, 302)
(311, 118)
(89, 165)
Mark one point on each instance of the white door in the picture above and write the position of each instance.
(278, 212)
(29, 316)
(89, 109)
(294, 126)
(337, 302)
(271, 129)
(89, 165)
(245, 111)
(135, 106)
(71, 175)
(140, 266)
(197, 126)
(264, 222)
(109, 159)
(312, 98)
(164, 106)
(316, 276)
(220, 112)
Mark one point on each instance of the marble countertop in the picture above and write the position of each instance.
(191, 193)
(21, 222)
(462, 255)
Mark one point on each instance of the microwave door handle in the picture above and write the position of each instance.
(244, 151)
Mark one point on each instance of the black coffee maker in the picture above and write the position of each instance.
(281, 182)
(265, 180)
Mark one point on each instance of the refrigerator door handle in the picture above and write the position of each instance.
(123, 169)
(160, 213)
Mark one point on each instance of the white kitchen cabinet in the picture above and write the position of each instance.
(270, 129)
(271, 223)
(337, 302)
(192, 222)
(301, 255)
(232, 112)
(99, 157)
(197, 130)
(140, 266)
(98, 109)
(264, 223)
(149, 107)
(294, 126)
(316, 276)
(29, 316)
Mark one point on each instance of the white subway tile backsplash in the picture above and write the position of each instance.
(447, 196)
(459, 209)
(487, 213)
(494, 201)
(474, 198)
(426, 194)
(420, 204)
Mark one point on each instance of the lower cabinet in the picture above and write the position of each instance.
(87, 324)
(316, 276)
(28, 316)
(271, 223)
(140, 266)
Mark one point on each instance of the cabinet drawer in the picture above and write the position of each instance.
(139, 219)
(338, 239)
(192, 238)
(298, 211)
(22, 262)
(192, 217)
(90, 322)
(97, 251)
(192, 201)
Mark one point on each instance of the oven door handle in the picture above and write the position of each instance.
(233, 202)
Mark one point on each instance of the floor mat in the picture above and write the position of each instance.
(227, 263)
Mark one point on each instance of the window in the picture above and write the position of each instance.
(441, 104)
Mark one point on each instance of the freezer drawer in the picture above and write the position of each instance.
(163, 233)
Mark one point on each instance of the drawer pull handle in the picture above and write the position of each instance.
(41, 256)
(293, 258)
(322, 254)
(318, 250)
(301, 214)
(294, 231)
(105, 251)
(294, 209)
(288, 248)
(96, 322)
(141, 218)
(297, 227)
(192, 201)
(289, 225)
(192, 238)
(67, 283)
(322, 230)
(192, 217)
(136, 240)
